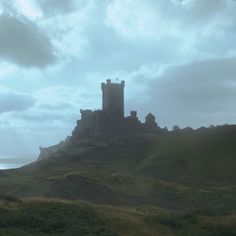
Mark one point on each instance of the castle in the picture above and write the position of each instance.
(110, 121)
(107, 123)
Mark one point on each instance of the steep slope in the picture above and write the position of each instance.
(176, 170)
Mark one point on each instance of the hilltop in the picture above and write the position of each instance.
(176, 172)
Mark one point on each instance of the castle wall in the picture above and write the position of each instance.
(110, 121)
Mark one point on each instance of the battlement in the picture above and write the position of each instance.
(86, 113)
(133, 114)
(109, 83)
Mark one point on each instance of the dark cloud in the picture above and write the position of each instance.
(11, 101)
(200, 86)
(52, 7)
(197, 93)
(23, 43)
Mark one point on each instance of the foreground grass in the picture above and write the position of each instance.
(38, 217)
(57, 217)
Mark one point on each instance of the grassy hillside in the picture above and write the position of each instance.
(44, 217)
(176, 182)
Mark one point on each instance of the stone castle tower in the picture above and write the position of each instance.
(113, 99)
(110, 121)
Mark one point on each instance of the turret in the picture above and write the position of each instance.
(150, 123)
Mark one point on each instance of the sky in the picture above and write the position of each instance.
(177, 57)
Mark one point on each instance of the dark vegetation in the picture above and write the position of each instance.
(177, 183)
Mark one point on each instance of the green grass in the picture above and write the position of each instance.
(142, 185)
(57, 217)
(40, 217)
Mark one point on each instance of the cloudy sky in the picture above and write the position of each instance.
(178, 58)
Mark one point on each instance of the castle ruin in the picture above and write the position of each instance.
(110, 121)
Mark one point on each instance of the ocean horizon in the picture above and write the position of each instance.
(12, 162)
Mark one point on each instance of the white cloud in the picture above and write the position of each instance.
(5, 70)
(134, 19)
(191, 21)
(67, 31)
(28, 8)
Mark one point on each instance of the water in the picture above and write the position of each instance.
(9, 166)
(14, 162)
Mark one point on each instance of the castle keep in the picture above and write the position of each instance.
(113, 99)
(110, 121)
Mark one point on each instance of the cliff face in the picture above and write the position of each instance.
(46, 152)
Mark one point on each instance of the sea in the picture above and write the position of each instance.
(12, 162)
